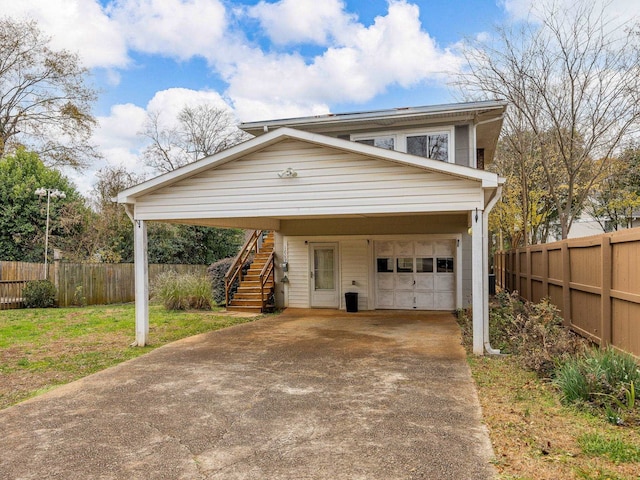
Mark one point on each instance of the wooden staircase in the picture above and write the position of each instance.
(256, 286)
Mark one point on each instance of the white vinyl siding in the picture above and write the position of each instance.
(297, 289)
(328, 182)
(354, 265)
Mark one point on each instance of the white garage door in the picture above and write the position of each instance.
(416, 274)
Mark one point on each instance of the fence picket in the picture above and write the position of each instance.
(596, 285)
(102, 283)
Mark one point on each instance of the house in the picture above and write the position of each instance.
(392, 205)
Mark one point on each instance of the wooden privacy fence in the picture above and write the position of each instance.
(594, 281)
(96, 283)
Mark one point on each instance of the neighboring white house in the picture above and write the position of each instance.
(394, 204)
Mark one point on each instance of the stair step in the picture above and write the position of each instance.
(268, 308)
(254, 288)
(250, 295)
(246, 303)
(254, 281)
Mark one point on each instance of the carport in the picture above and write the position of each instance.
(307, 394)
(405, 232)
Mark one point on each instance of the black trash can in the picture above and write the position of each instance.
(351, 300)
(492, 284)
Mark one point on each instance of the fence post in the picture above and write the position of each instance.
(605, 297)
(566, 284)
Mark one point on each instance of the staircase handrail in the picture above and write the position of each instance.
(235, 270)
(266, 272)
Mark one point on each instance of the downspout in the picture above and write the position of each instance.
(485, 214)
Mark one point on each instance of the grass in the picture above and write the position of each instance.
(43, 348)
(613, 447)
(535, 436)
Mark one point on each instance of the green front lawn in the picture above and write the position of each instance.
(42, 348)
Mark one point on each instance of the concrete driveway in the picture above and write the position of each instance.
(307, 394)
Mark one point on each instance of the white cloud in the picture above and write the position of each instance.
(118, 134)
(76, 25)
(393, 51)
(302, 21)
(358, 62)
(176, 28)
(119, 130)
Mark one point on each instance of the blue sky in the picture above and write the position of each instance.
(262, 58)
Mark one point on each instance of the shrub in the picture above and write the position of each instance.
(39, 294)
(534, 333)
(79, 300)
(216, 273)
(606, 380)
(182, 292)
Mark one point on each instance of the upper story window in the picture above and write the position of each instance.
(433, 144)
(388, 142)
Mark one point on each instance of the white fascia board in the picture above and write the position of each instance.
(129, 195)
(396, 113)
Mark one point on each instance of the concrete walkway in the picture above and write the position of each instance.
(307, 394)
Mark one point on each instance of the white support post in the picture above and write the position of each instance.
(478, 280)
(142, 283)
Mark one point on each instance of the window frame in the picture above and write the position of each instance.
(400, 138)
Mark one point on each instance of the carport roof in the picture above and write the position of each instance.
(487, 179)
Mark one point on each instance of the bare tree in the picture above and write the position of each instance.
(201, 131)
(45, 104)
(573, 80)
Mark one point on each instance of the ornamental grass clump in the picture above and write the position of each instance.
(182, 291)
(604, 380)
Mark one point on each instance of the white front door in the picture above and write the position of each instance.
(324, 276)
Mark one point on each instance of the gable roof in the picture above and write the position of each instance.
(488, 179)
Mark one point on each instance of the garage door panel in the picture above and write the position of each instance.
(403, 249)
(424, 300)
(385, 298)
(384, 249)
(404, 281)
(424, 249)
(404, 299)
(386, 281)
(444, 248)
(425, 282)
(443, 301)
(445, 283)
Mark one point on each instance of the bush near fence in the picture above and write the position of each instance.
(95, 283)
(594, 281)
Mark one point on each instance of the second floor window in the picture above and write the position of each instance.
(382, 142)
(434, 145)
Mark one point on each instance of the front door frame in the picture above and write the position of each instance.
(324, 299)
